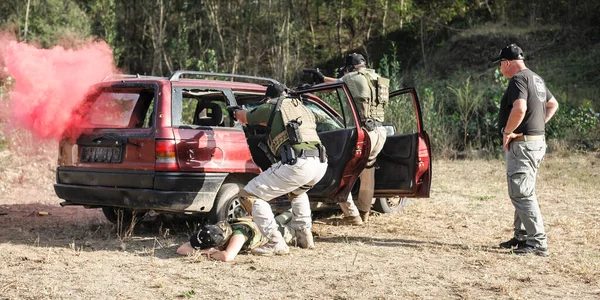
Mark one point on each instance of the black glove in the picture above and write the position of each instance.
(304, 86)
(232, 110)
(317, 76)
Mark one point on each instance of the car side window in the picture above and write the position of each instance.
(325, 121)
(401, 114)
(337, 100)
(202, 107)
(188, 107)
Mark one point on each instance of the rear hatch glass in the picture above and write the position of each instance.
(116, 130)
(121, 108)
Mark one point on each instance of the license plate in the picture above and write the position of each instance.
(101, 155)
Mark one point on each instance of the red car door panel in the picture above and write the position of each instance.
(404, 164)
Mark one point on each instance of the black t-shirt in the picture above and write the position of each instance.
(531, 87)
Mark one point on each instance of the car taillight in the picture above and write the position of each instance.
(166, 159)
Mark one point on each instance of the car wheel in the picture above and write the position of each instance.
(227, 204)
(117, 215)
(390, 205)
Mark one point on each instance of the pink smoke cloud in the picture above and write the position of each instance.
(50, 83)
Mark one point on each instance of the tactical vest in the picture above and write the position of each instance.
(257, 239)
(292, 109)
(371, 105)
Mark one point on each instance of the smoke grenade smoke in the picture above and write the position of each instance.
(48, 84)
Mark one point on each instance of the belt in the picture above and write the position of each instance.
(307, 153)
(529, 138)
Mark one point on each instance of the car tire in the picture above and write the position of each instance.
(118, 214)
(227, 204)
(390, 205)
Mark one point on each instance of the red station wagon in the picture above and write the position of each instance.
(156, 144)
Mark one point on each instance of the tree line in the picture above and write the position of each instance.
(277, 38)
(272, 38)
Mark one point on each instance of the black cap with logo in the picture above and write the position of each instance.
(510, 52)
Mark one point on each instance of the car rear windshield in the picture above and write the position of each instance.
(121, 108)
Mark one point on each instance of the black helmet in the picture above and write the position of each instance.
(211, 236)
(354, 59)
(275, 90)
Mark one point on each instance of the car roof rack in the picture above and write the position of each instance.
(122, 76)
(177, 75)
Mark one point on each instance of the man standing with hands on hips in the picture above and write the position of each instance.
(525, 108)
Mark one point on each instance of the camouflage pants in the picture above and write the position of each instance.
(523, 159)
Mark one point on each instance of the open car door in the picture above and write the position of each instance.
(339, 129)
(404, 164)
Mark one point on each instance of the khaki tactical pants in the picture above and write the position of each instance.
(522, 162)
(281, 180)
(367, 177)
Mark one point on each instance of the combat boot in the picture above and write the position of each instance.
(364, 215)
(275, 246)
(304, 238)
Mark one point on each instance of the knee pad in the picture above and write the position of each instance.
(246, 200)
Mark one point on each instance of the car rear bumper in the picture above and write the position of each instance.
(174, 201)
(172, 191)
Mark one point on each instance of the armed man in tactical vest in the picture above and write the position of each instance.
(371, 94)
(300, 163)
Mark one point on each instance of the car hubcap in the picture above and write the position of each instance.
(394, 202)
(235, 210)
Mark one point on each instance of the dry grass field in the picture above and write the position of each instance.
(444, 247)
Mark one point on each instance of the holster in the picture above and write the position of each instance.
(246, 200)
(293, 131)
(322, 153)
(288, 155)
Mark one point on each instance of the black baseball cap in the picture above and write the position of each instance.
(354, 59)
(209, 236)
(275, 90)
(510, 52)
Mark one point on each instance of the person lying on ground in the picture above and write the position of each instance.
(224, 240)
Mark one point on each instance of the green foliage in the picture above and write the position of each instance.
(104, 24)
(579, 126)
(53, 22)
(208, 64)
(435, 122)
(188, 294)
(467, 103)
(389, 67)
(439, 47)
(400, 112)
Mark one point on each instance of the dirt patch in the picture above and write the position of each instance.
(441, 247)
